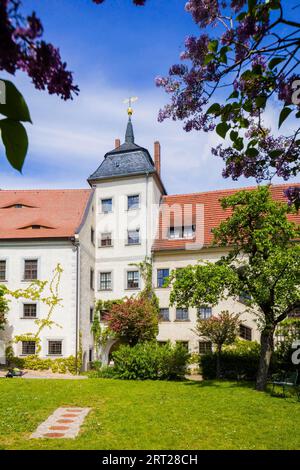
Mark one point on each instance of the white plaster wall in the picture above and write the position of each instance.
(87, 295)
(183, 330)
(49, 254)
(118, 258)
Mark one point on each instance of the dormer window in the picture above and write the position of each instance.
(187, 231)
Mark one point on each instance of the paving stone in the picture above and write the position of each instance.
(53, 424)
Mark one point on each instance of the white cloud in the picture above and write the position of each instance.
(69, 139)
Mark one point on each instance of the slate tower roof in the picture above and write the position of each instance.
(126, 160)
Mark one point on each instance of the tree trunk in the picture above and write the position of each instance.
(267, 348)
(218, 371)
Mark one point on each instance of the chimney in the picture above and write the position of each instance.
(117, 143)
(157, 156)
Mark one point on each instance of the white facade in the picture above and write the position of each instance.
(93, 270)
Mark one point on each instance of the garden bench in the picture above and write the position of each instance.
(288, 379)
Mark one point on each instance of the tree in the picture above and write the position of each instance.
(220, 330)
(134, 320)
(263, 261)
(148, 293)
(22, 48)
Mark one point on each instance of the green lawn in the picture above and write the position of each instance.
(150, 415)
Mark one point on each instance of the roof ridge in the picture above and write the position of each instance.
(280, 185)
(44, 189)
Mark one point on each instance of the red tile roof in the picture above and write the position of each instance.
(213, 214)
(58, 212)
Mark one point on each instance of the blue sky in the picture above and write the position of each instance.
(115, 50)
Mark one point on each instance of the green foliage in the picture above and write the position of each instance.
(150, 361)
(34, 292)
(220, 330)
(100, 335)
(238, 361)
(103, 306)
(3, 308)
(148, 293)
(263, 261)
(13, 133)
(61, 365)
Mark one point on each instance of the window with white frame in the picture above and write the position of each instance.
(133, 279)
(245, 332)
(106, 205)
(204, 312)
(133, 237)
(55, 347)
(182, 314)
(2, 270)
(28, 348)
(92, 275)
(205, 347)
(133, 202)
(164, 314)
(30, 269)
(29, 310)
(92, 236)
(187, 231)
(91, 314)
(105, 281)
(162, 276)
(105, 239)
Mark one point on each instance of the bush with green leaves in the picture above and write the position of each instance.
(149, 360)
(239, 361)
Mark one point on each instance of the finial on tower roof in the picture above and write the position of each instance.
(129, 136)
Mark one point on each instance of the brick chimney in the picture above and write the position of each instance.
(157, 156)
(117, 143)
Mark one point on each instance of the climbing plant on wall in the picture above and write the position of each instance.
(36, 292)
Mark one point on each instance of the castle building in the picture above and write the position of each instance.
(98, 236)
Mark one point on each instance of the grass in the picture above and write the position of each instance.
(150, 415)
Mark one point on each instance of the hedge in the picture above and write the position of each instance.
(60, 365)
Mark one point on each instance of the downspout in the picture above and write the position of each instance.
(76, 245)
(147, 180)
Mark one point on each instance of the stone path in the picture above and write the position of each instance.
(45, 374)
(63, 423)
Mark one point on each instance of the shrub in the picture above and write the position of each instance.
(133, 320)
(61, 365)
(150, 361)
(238, 361)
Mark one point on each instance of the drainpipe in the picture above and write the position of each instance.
(76, 245)
(147, 180)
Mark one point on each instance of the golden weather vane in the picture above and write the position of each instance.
(129, 101)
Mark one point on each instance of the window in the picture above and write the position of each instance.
(245, 332)
(187, 231)
(133, 237)
(164, 314)
(185, 344)
(55, 348)
(133, 202)
(2, 270)
(133, 279)
(92, 279)
(205, 347)
(30, 269)
(28, 348)
(92, 236)
(29, 310)
(204, 312)
(105, 281)
(105, 239)
(162, 275)
(106, 205)
(182, 314)
(91, 314)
